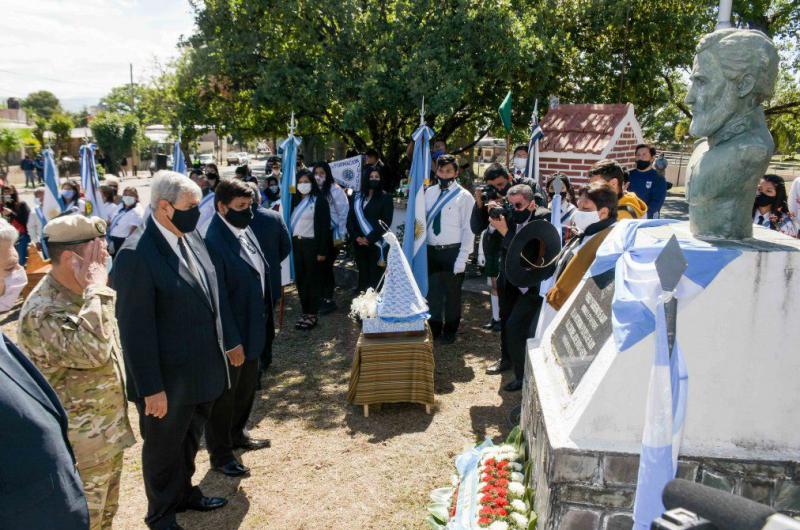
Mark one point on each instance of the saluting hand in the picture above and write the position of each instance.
(156, 405)
(236, 355)
(92, 270)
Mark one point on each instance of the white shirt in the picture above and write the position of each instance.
(304, 226)
(208, 208)
(125, 220)
(340, 207)
(252, 249)
(764, 218)
(110, 209)
(455, 223)
(794, 198)
(35, 228)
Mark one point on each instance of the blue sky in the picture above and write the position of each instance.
(80, 49)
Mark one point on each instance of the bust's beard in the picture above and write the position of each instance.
(707, 121)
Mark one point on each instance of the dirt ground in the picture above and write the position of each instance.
(329, 467)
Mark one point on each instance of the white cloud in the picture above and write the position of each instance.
(82, 48)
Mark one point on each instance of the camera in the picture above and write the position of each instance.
(496, 212)
(489, 193)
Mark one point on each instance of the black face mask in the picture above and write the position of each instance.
(642, 164)
(374, 184)
(186, 220)
(239, 218)
(212, 181)
(520, 216)
(445, 183)
(272, 194)
(504, 190)
(764, 200)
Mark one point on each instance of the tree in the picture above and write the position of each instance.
(10, 142)
(115, 135)
(39, 129)
(61, 125)
(42, 104)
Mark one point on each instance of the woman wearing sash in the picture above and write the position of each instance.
(370, 206)
(339, 206)
(125, 221)
(311, 239)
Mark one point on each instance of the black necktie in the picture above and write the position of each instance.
(192, 267)
(761, 220)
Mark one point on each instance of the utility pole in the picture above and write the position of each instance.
(135, 150)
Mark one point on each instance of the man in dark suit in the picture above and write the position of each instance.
(40, 486)
(244, 274)
(177, 336)
(273, 238)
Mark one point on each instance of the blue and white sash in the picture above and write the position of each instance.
(298, 211)
(40, 214)
(365, 225)
(441, 202)
(116, 219)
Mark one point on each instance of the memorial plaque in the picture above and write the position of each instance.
(580, 335)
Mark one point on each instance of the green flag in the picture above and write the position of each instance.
(505, 112)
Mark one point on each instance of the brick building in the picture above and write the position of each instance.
(578, 135)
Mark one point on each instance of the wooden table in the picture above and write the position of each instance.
(394, 369)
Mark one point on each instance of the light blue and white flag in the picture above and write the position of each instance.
(638, 310)
(288, 186)
(52, 205)
(532, 169)
(178, 160)
(415, 228)
(90, 183)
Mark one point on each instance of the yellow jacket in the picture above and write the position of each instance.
(631, 207)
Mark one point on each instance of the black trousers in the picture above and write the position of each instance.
(328, 278)
(230, 412)
(369, 272)
(519, 314)
(168, 452)
(444, 290)
(307, 274)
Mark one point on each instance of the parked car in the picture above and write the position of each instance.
(237, 159)
(205, 159)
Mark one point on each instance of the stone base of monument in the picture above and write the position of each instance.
(584, 402)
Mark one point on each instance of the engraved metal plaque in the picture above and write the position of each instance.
(580, 335)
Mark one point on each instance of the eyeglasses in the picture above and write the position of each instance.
(519, 206)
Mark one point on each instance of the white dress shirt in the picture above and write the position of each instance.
(455, 223)
(250, 247)
(304, 226)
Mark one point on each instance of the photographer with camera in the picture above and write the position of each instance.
(519, 306)
(497, 182)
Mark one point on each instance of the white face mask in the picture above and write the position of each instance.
(520, 163)
(15, 282)
(583, 220)
(128, 201)
(304, 188)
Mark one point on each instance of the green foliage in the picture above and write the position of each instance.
(40, 127)
(42, 104)
(115, 135)
(10, 142)
(61, 125)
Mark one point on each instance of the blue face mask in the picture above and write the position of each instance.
(68, 194)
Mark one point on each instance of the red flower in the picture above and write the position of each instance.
(501, 483)
(501, 502)
(501, 492)
(501, 512)
(502, 463)
(484, 521)
(486, 511)
(490, 462)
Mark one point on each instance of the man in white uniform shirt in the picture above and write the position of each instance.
(450, 241)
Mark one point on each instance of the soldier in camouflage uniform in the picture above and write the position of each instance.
(68, 328)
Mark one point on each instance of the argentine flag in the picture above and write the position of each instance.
(288, 186)
(178, 161)
(532, 170)
(90, 183)
(415, 232)
(52, 206)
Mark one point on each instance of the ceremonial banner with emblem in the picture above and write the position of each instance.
(347, 172)
(414, 236)
(90, 183)
(52, 205)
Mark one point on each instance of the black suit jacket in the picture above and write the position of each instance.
(323, 233)
(39, 486)
(379, 208)
(173, 337)
(273, 236)
(251, 310)
(539, 214)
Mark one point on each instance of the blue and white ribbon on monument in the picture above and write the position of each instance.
(364, 224)
(288, 182)
(415, 225)
(638, 310)
(90, 183)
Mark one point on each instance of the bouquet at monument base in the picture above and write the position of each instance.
(488, 491)
(398, 305)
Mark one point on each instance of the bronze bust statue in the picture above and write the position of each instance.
(734, 72)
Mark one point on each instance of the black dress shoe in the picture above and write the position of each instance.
(174, 526)
(204, 504)
(513, 386)
(251, 444)
(232, 469)
(447, 339)
(489, 325)
(497, 327)
(499, 367)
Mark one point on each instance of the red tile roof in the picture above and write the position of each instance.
(581, 128)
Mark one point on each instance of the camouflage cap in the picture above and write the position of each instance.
(74, 229)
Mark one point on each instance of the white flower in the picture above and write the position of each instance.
(518, 505)
(516, 489)
(498, 525)
(482, 485)
(507, 448)
(515, 466)
(517, 477)
(519, 520)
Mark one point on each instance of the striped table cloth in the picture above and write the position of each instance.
(392, 370)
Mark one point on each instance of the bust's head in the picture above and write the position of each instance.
(734, 72)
